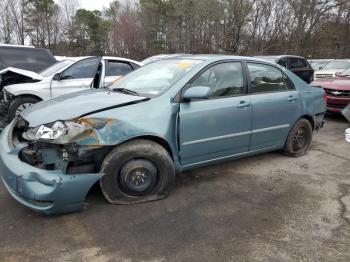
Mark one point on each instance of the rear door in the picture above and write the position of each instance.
(275, 106)
(77, 77)
(116, 69)
(218, 127)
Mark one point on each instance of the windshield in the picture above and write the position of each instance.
(155, 78)
(55, 68)
(346, 72)
(319, 64)
(337, 65)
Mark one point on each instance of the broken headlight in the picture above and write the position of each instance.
(58, 133)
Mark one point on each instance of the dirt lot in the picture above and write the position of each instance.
(263, 208)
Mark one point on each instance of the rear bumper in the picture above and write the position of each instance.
(337, 104)
(41, 190)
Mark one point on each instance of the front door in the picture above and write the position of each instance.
(275, 105)
(220, 126)
(77, 77)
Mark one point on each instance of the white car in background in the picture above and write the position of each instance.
(332, 68)
(316, 64)
(67, 76)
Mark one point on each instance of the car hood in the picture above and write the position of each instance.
(339, 83)
(17, 88)
(22, 72)
(75, 105)
(329, 71)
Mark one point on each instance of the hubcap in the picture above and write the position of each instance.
(22, 107)
(138, 177)
(299, 139)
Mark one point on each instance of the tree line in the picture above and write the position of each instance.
(141, 28)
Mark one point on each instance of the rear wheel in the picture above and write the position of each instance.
(299, 139)
(19, 104)
(137, 171)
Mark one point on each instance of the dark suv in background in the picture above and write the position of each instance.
(297, 64)
(25, 57)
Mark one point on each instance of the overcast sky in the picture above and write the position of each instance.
(90, 4)
(94, 4)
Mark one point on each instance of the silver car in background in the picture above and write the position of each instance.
(67, 76)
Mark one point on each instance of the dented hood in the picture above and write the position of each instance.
(22, 72)
(75, 105)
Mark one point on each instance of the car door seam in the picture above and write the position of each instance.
(216, 138)
(270, 128)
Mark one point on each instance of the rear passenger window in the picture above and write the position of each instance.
(116, 68)
(265, 79)
(224, 79)
(297, 63)
(282, 62)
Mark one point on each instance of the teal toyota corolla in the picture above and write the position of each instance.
(167, 117)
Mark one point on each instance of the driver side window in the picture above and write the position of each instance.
(82, 69)
(224, 80)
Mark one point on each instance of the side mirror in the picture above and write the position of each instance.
(320, 67)
(57, 77)
(197, 92)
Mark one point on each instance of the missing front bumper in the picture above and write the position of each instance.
(41, 190)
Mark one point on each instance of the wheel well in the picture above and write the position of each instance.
(310, 119)
(158, 140)
(28, 95)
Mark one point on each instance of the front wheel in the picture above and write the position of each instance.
(137, 171)
(299, 139)
(19, 104)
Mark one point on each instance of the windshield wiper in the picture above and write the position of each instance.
(126, 91)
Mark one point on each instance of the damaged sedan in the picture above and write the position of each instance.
(167, 117)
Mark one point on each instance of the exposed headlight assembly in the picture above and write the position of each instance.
(58, 133)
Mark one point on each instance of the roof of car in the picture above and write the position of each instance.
(279, 56)
(78, 58)
(121, 59)
(217, 57)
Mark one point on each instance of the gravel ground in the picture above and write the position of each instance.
(263, 208)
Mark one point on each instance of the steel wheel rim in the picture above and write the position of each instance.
(138, 177)
(299, 139)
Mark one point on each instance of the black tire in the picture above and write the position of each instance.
(299, 139)
(17, 103)
(124, 164)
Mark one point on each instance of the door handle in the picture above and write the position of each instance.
(292, 98)
(243, 104)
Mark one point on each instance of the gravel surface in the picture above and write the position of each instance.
(263, 208)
